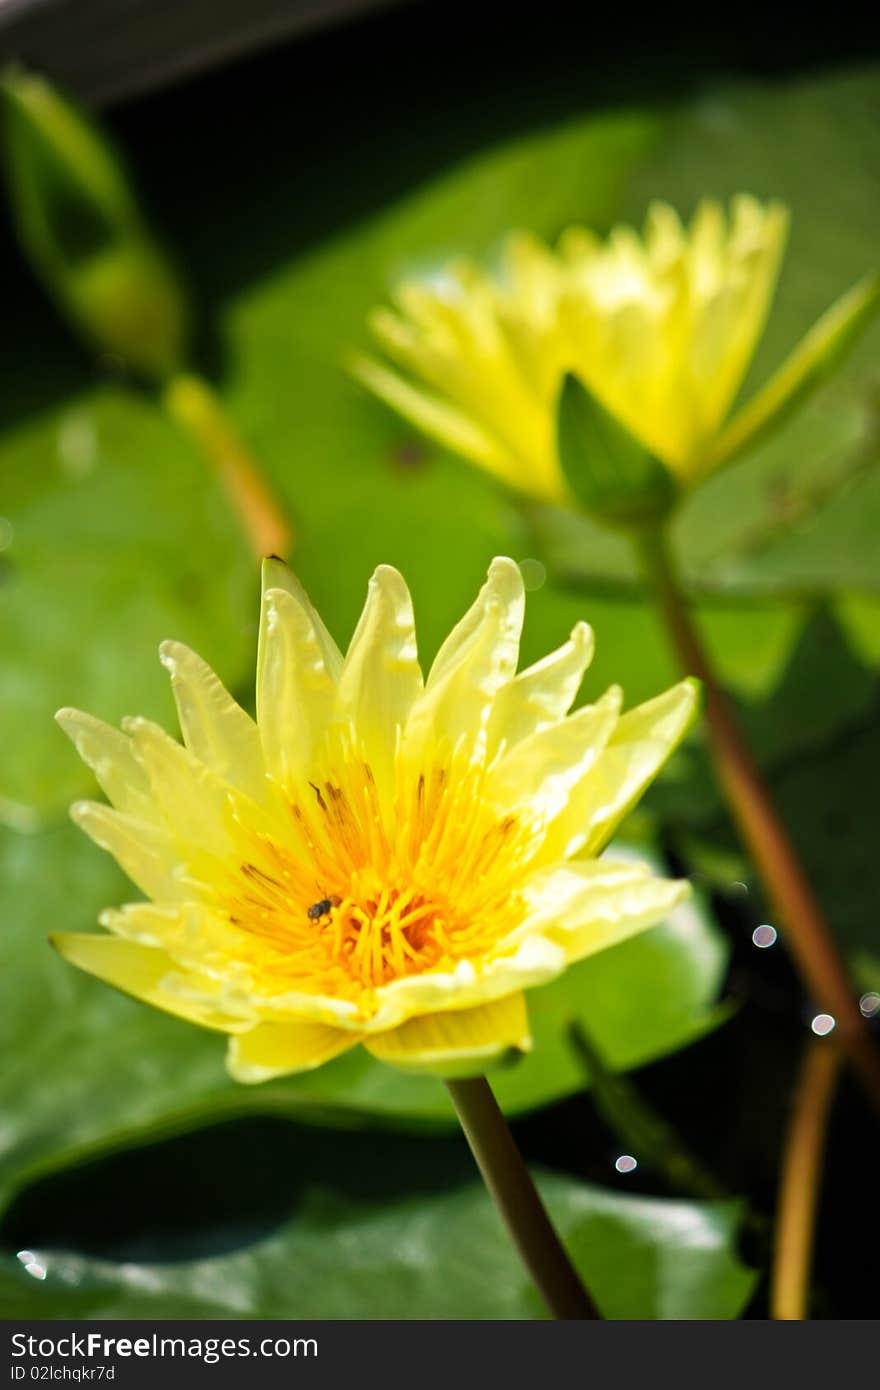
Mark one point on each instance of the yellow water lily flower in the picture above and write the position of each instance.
(378, 858)
(660, 327)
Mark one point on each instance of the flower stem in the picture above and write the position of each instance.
(799, 1184)
(807, 932)
(193, 404)
(516, 1197)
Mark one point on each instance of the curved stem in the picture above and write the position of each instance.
(192, 403)
(807, 933)
(800, 1179)
(516, 1197)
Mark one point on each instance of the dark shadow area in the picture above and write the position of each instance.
(223, 1187)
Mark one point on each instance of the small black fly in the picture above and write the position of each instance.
(321, 909)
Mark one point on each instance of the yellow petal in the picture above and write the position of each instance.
(215, 729)
(807, 366)
(458, 1043)
(586, 907)
(296, 692)
(736, 289)
(641, 743)
(435, 417)
(381, 678)
(476, 660)
(278, 1049)
(542, 694)
(192, 935)
(541, 771)
(528, 962)
(111, 757)
(278, 575)
(151, 976)
(192, 799)
(142, 850)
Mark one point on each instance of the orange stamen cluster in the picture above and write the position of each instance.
(421, 884)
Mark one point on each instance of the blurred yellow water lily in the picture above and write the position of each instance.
(378, 858)
(660, 327)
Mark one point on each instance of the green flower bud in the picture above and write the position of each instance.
(81, 227)
(613, 476)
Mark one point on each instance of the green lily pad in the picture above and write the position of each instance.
(434, 1255)
(107, 555)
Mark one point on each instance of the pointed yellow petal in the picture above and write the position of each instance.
(151, 976)
(111, 757)
(193, 801)
(381, 678)
(542, 694)
(638, 748)
(278, 1049)
(808, 365)
(215, 729)
(733, 288)
(142, 850)
(296, 692)
(278, 575)
(192, 935)
(541, 771)
(476, 660)
(460, 1042)
(586, 907)
(435, 417)
(530, 961)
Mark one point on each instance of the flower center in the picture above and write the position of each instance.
(360, 893)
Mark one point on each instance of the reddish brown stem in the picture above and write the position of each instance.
(192, 403)
(800, 1181)
(807, 933)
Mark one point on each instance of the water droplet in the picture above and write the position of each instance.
(32, 1263)
(823, 1024)
(77, 445)
(625, 1163)
(534, 575)
(869, 1004)
(764, 936)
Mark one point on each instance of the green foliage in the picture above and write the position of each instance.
(110, 554)
(440, 1252)
(612, 475)
(79, 223)
(116, 538)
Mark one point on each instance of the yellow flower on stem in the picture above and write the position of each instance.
(378, 859)
(659, 327)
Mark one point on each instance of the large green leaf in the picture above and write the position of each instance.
(117, 539)
(86, 1069)
(436, 1255)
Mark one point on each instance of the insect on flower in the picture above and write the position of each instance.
(452, 825)
(323, 908)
